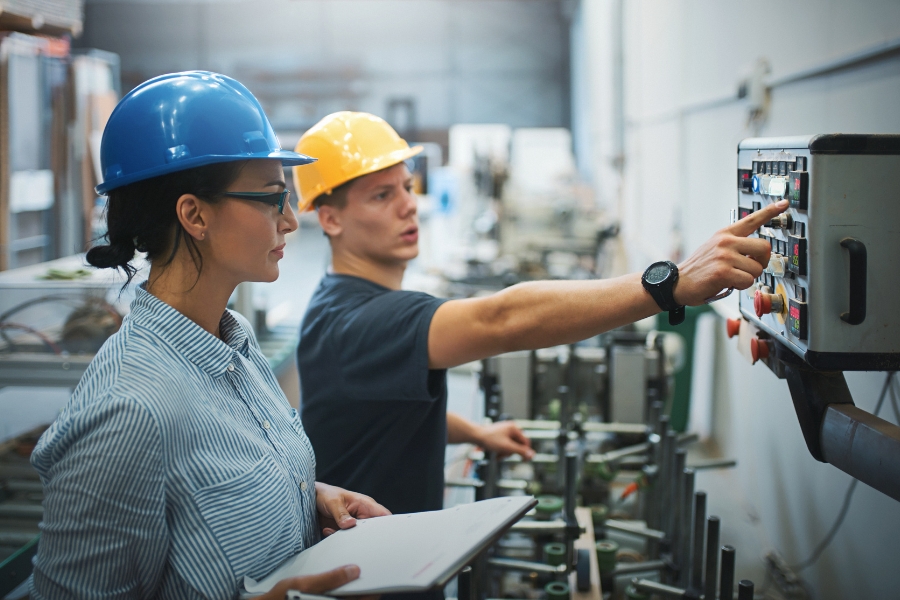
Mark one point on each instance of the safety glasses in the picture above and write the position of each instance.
(278, 199)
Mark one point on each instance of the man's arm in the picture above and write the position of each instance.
(540, 314)
(503, 437)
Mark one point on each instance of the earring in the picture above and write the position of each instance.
(203, 235)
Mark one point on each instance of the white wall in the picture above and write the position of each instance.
(462, 61)
(680, 173)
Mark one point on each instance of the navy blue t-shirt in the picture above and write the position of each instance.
(375, 413)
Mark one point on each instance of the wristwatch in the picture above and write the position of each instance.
(659, 280)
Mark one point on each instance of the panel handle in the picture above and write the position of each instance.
(857, 312)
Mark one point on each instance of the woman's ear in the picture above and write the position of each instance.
(193, 214)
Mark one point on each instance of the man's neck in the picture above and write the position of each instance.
(389, 275)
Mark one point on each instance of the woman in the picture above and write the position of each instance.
(178, 467)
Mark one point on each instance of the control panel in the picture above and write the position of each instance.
(830, 292)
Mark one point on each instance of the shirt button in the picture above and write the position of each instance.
(230, 368)
(266, 425)
(303, 486)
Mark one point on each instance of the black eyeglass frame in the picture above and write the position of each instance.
(278, 199)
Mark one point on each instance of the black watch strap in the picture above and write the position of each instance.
(663, 294)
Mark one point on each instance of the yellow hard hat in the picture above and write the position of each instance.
(347, 145)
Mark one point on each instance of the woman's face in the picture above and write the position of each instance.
(245, 238)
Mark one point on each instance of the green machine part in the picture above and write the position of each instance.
(681, 399)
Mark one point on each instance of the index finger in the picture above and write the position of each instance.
(754, 221)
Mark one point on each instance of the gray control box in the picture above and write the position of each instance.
(830, 292)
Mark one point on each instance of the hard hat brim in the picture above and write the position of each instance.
(288, 158)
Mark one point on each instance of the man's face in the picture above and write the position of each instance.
(379, 221)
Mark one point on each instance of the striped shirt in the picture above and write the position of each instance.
(176, 469)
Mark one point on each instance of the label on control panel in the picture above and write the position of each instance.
(797, 318)
(798, 189)
(797, 255)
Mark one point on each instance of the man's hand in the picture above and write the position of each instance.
(313, 584)
(339, 509)
(729, 259)
(504, 438)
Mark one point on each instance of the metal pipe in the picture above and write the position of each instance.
(630, 568)
(634, 529)
(539, 527)
(614, 455)
(745, 590)
(623, 428)
(677, 500)
(665, 470)
(492, 474)
(654, 587)
(654, 413)
(712, 557)
(464, 585)
(464, 482)
(726, 583)
(687, 507)
(571, 486)
(714, 463)
(670, 480)
(512, 564)
(697, 541)
(863, 446)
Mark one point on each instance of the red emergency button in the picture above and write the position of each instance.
(733, 327)
(759, 349)
(765, 303)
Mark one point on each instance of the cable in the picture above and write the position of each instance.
(848, 496)
(894, 404)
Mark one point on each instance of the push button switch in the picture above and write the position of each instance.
(765, 303)
(777, 265)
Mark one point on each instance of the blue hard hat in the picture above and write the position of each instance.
(185, 120)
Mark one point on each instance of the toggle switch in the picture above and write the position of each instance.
(777, 265)
(782, 221)
(765, 303)
(732, 327)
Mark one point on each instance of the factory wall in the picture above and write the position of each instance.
(672, 186)
(461, 62)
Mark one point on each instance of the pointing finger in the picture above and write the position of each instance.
(752, 222)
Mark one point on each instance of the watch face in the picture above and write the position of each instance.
(658, 273)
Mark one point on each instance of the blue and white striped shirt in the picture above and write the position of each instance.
(176, 468)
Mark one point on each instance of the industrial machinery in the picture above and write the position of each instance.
(827, 301)
(617, 509)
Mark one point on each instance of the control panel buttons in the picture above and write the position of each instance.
(732, 327)
(745, 180)
(798, 189)
(777, 266)
(797, 318)
(759, 349)
(782, 221)
(797, 254)
(756, 184)
(764, 302)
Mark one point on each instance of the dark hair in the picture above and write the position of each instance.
(141, 216)
(337, 198)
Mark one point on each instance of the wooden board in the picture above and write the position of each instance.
(586, 541)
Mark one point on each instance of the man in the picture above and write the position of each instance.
(373, 358)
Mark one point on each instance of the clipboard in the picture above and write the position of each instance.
(404, 553)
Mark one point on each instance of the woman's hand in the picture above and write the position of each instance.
(312, 584)
(339, 509)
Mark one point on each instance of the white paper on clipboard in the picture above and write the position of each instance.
(403, 553)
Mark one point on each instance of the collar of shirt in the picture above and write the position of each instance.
(192, 341)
